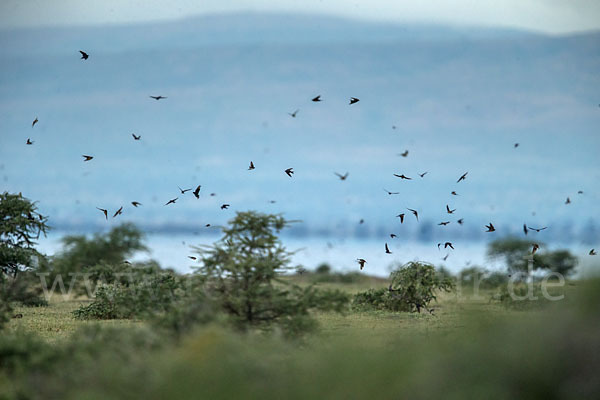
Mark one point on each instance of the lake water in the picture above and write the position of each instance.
(172, 250)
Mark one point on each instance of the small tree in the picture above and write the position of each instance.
(20, 226)
(415, 283)
(241, 273)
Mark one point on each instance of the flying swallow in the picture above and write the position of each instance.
(416, 214)
(87, 158)
(35, 121)
(293, 115)
(353, 100)
(444, 223)
(448, 210)
(390, 193)
(136, 137)
(361, 262)
(537, 229)
(423, 174)
(401, 216)
(136, 203)
(84, 55)
(172, 201)
(402, 176)
(183, 190)
(118, 212)
(224, 206)
(29, 142)
(158, 97)
(405, 154)
(197, 192)
(289, 172)
(251, 167)
(490, 228)
(318, 98)
(342, 177)
(387, 249)
(104, 211)
(463, 177)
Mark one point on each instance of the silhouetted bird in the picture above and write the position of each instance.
(172, 201)
(197, 192)
(136, 137)
(136, 203)
(535, 248)
(390, 193)
(490, 228)
(318, 98)
(592, 252)
(444, 223)
(361, 262)
(537, 229)
(387, 249)
(342, 177)
(87, 158)
(353, 100)
(224, 206)
(448, 210)
(293, 115)
(445, 257)
(84, 55)
(402, 176)
(207, 225)
(118, 212)
(448, 244)
(423, 174)
(35, 121)
(251, 167)
(289, 172)
(401, 216)
(415, 213)
(580, 192)
(362, 221)
(461, 221)
(104, 211)
(183, 190)
(525, 231)
(463, 177)
(405, 154)
(516, 145)
(393, 235)
(454, 193)
(568, 201)
(29, 142)
(158, 97)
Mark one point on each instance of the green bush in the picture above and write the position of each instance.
(154, 294)
(376, 299)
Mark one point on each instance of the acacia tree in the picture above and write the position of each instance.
(20, 226)
(242, 271)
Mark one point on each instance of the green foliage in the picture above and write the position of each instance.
(515, 252)
(323, 269)
(81, 254)
(413, 287)
(241, 273)
(148, 295)
(415, 284)
(20, 226)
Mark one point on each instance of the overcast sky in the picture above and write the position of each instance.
(550, 16)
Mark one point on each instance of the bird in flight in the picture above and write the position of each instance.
(401, 216)
(393, 235)
(390, 193)
(183, 190)
(84, 55)
(158, 97)
(444, 223)
(462, 178)
(402, 176)
(251, 167)
(118, 212)
(224, 206)
(445, 257)
(405, 154)
(387, 249)
(35, 121)
(537, 229)
(353, 100)
(423, 174)
(104, 211)
(448, 210)
(87, 158)
(172, 201)
(592, 252)
(29, 142)
(535, 248)
(361, 262)
(342, 177)
(415, 213)
(318, 98)
(448, 244)
(490, 228)
(136, 203)
(192, 257)
(197, 192)
(568, 201)
(289, 172)
(453, 193)
(516, 145)
(136, 137)
(525, 230)
(580, 192)
(293, 115)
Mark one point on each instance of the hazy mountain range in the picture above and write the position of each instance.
(457, 99)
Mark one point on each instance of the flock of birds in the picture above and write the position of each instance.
(290, 171)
